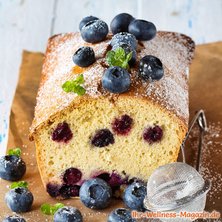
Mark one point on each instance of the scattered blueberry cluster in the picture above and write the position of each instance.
(18, 198)
(126, 31)
(96, 194)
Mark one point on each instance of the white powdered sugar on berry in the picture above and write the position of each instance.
(174, 51)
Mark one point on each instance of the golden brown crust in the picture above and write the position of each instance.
(170, 93)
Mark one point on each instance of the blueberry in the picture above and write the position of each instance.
(84, 57)
(62, 133)
(121, 22)
(113, 179)
(72, 176)
(134, 195)
(127, 48)
(19, 199)
(95, 193)
(14, 218)
(122, 125)
(53, 189)
(116, 80)
(94, 31)
(153, 134)
(68, 214)
(116, 180)
(142, 30)
(102, 138)
(124, 37)
(151, 68)
(86, 20)
(120, 215)
(12, 168)
(104, 176)
(68, 191)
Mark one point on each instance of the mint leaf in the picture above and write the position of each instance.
(119, 58)
(80, 90)
(50, 209)
(16, 151)
(79, 80)
(75, 86)
(120, 53)
(19, 184)
(129, 56)
(46, 209)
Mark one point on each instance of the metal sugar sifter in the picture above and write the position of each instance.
(177, 186)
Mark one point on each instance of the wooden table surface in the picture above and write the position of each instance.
(27, 24)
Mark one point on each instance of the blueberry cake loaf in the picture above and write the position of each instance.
(110, 106)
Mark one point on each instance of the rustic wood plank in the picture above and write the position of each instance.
(200, 19)
(23, 25)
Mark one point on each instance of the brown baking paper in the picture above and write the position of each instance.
(205, 93)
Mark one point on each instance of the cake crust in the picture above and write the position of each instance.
(170, 93)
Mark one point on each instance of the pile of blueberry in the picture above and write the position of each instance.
(126, 32)
(96, 194)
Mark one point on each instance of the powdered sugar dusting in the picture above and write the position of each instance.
(209, 169)
(174, 50)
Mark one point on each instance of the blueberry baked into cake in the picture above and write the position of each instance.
(112, 105)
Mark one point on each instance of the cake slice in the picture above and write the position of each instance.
(117, 137)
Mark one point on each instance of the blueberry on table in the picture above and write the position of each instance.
(12, 167)
(86, 20)
(134, 195)
(121, 22)
(151, 68)
(124, 37)
(94, 31)
(127, 48)
(19, 199)
(142, 30)
(14, 218)
(95, 193)
(68, 214)
(120, 215)
(84, 57)
(116, 80)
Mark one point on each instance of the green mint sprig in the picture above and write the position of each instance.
(18, 184)
(119, 58)
(49, 209)
(16, 151)
(75, 86)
